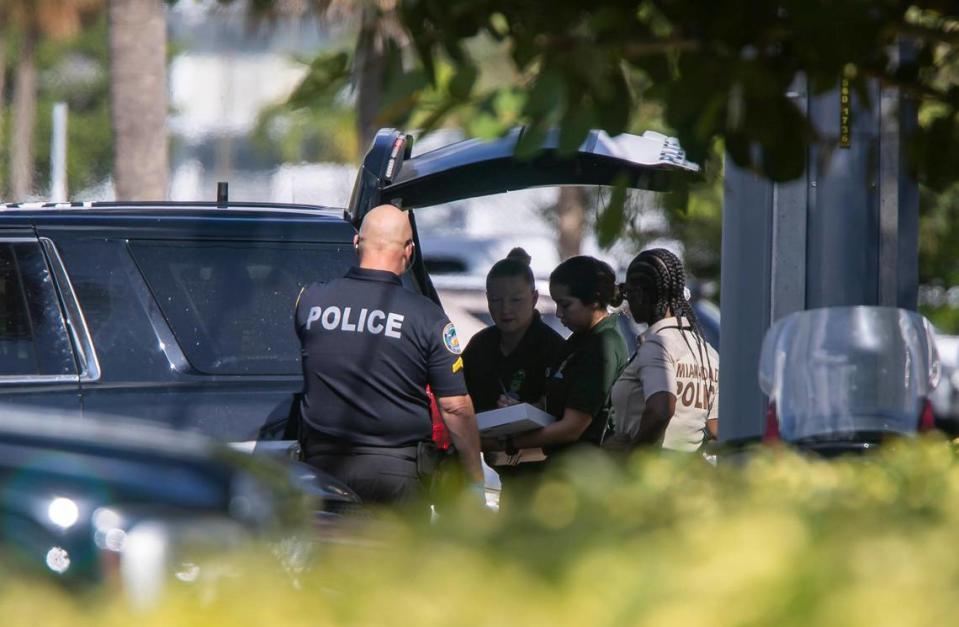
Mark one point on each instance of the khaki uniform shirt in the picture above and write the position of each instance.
(669, 359)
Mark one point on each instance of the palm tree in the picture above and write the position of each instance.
(3, 86)
(24, 116)
(377, 27)
(570, 221)
(33, 19)
(138, 94)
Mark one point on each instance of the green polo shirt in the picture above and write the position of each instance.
(589, 364)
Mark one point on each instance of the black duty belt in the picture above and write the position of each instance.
(343, 448)
(424, 454)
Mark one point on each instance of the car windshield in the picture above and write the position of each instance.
(844, 370)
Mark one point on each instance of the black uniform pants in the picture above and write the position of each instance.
(378, 475)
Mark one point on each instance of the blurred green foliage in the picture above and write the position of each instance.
(715, 72)
(779, 540)
(939, 250)
(318, 120)
(317, 123)
(721, 70)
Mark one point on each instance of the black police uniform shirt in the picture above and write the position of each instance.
(490, 374)
(369, 348)
(589, 365)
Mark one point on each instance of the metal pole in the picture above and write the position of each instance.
(58, 154)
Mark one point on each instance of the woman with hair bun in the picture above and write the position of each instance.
(506, 363)
(668, 395)
(578, 386)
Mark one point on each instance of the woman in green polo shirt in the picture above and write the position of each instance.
(578, 386)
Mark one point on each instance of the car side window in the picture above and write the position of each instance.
(17, 354)
(33, 337)
(230, 304)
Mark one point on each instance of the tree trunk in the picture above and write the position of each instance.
(369, 68)
(138, 96)
(24, 119)
(3, 94)
(570, 220)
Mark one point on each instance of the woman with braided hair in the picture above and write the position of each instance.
(668, 394)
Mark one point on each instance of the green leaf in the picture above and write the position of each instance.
(327, 76)
(531, 141)
(575, 126)
(433, 120)
(547, 98)
(498, 25)
(612, 220)
(401, 94)
(461, 85)
(614, 110)
(485, 126)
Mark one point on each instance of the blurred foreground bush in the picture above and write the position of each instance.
(778, 541)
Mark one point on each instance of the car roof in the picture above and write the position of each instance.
(234, 218)
(163, 206)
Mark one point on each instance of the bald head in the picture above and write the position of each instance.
(385, 240)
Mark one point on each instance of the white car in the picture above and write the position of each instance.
(945, 398)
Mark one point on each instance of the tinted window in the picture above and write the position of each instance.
(17, 355)
(33, 338)
(230, 305)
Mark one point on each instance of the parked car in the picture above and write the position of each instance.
(945, 398)
(181, 313)
(844, 379)
(88, 500)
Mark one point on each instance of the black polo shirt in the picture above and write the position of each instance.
(369, 348)
(490, 373)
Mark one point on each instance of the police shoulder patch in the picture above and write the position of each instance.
(450, 341)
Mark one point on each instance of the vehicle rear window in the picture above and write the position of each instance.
(230, 305)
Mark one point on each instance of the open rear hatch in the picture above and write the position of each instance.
(474, 167)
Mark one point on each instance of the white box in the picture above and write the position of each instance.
(512, 420)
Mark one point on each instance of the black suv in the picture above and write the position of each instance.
(181, 313)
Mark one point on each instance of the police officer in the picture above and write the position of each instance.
(668, 395)
(369, 349)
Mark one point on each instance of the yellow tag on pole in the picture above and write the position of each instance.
(845, 115)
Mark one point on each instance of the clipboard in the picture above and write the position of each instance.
(512, 420)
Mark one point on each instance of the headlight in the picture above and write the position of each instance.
(63, 512)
